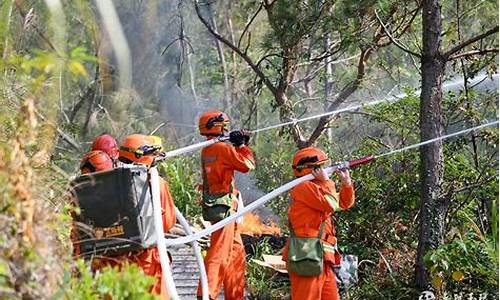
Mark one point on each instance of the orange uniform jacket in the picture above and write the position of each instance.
(220, 160)
(312, 203)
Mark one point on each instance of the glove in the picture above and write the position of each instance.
(246, 134)
(237, 138)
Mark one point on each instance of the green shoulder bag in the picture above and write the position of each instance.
(216, 207)
(305, 255)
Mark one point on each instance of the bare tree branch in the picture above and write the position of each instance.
(467, 188)
(344, 94)
(244, 56)
(476, 184)
(473, 52)
(464, 44)
(414, 14)
(328, 53)
(250, 23)
(38, 31)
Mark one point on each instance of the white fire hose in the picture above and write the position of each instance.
(262, 200)
(197, 253)
(192, 148)
(160, 235)
(259, 202)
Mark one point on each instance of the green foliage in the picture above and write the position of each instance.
(293, 20)
(182, 176)
(40, 65)
(109, 283)
(468, 263)
(273, 170)
(36, 100)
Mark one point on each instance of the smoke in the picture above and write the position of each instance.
(169, 47)
(247, 186)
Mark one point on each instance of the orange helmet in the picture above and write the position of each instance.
(107, 144)
(140, 148)
(95, 161)
(305, 160)
(213, 123)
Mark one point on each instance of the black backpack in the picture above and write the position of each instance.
(116, 211)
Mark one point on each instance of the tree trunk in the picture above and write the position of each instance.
(234, 109)
(432, 206)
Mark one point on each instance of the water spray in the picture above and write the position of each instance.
(438, 139)
(118, 41)
(332, 168)
(449, 86)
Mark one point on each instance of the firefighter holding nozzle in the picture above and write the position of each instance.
(225, 259)
(311, 251)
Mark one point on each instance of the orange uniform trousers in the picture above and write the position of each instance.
(321, 287)
(225, 264)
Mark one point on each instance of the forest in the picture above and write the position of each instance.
(354, 78)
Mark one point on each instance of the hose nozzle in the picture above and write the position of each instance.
(361, 161)
(352, 163)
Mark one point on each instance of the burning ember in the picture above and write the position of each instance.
(253, 226)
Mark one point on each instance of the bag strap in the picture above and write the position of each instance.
(322, 226)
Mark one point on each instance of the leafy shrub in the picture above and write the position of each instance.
(468, 263)
(108, 283)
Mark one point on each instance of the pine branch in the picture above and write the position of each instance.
(244, 56)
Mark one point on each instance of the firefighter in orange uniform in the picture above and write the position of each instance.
(313, 203)
(103, 156)
(143, 149)
(225, 259)
(137, 149)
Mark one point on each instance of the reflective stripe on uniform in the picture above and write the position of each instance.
(250, 164)
(334, 202)
(329, 248)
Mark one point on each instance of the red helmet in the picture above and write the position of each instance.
(95, 161)
(213, 123)
(140, 148)
(305, 160)
(107, 144)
